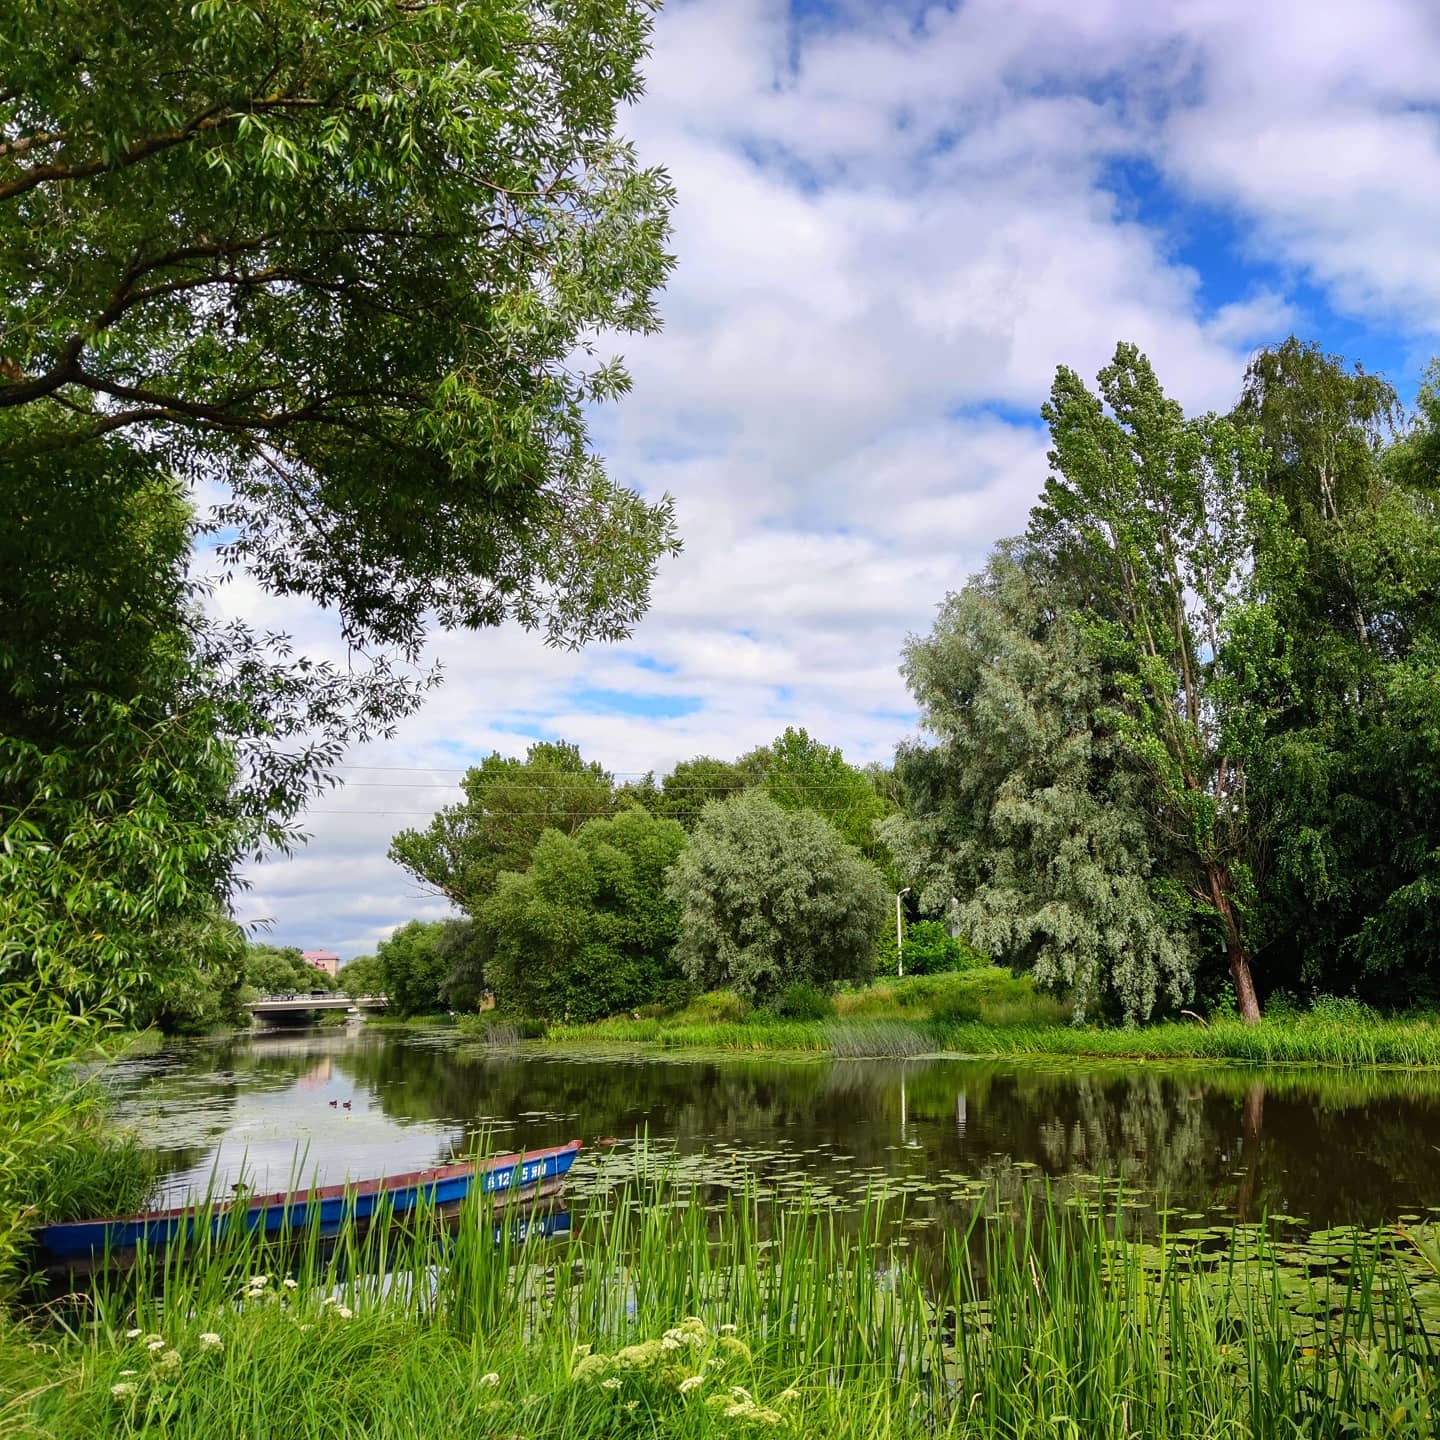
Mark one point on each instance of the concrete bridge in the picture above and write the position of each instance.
(301, 1009)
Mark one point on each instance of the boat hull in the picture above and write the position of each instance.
(329, 1207)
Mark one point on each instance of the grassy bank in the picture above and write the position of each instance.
(657, 1318)
(990, 1012)
(60, 1159)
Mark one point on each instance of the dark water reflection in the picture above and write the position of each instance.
(1325, 1147)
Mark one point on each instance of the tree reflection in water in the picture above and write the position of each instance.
(1324, 1146)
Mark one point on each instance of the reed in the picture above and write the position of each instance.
(658, 1317)
(969, 1015)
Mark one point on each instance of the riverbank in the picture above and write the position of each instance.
(657, 1318)
(990, 1013)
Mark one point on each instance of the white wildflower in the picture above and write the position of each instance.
(259, 1282)
(631, 1404)
(611, 1384)
(788, 1394)
(211, 1341)
(129, 1372)
(691, 1382)
(492, 1378)
(741, 1393)
(170, 1360)
(343, 1311)
(290, 1284)
(580, 1352)
(670, 1342)
(133, 1334)
(156, 1344)
(122, 1390)
(727, 1329)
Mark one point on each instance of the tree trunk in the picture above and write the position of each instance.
(1252, 1119)
(1236, 954)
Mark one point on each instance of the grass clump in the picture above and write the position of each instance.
(988, 1011)
(659, 1318)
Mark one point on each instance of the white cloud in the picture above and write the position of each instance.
(890, 231)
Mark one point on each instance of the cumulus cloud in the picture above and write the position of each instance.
(894, 222)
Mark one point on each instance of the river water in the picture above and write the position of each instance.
(1197, 1145)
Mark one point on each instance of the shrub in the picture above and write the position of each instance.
(1342, 1009)
(717, 1007)
(930, 949)
(803, 1001)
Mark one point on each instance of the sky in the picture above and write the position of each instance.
(894, 221)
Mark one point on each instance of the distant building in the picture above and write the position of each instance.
(326, 961)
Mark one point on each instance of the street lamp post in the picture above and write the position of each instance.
(900, 933)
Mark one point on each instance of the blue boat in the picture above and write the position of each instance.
(527, 1175)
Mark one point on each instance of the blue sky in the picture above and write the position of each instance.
(894, 222)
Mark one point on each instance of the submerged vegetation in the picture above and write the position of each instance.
(657, 1316)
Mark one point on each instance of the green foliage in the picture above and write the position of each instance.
(930, 949)
(349, 263)
(770, 898)
(282, 970)
(1029, 810)
(802, 774)
(508, 805)
(201, 987)
(588, 929)
(1178, 559)
(464, 946)
(118, 767)
(1353, 780)
(361, 976)
(413, 969)
(684, 793)
(803, 1001)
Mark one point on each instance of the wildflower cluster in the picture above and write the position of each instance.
(686, 1359)
(739, 1404)
(165, 1360)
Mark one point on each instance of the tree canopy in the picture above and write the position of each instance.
(1026, 809)
(588, 930)
(801, 773)
(1188, 722)
(770, 897)
(346, 262)
(413, 968)
(508, 805)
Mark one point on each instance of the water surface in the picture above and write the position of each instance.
(1211, 1144)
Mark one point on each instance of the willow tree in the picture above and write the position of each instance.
(1162, 529)
(770, 897)
(1026, 810)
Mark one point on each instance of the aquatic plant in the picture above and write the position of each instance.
(661, 1317)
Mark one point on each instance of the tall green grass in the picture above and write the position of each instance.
(989, 1012)
(660, 1318)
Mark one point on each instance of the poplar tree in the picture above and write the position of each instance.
(1163, 531)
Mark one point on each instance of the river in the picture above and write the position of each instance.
(1197, 1145)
